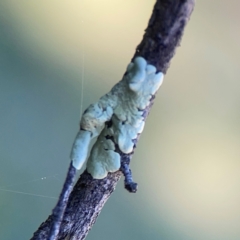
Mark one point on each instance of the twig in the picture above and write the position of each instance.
(58, 211)
(89, 195)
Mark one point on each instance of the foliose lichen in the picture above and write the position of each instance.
(123, 107)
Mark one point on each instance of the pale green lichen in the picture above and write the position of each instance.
(103, 158)
(123, 107)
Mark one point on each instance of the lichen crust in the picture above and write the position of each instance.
(117, 119)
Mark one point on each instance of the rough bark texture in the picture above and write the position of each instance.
(164, 32)
(85, 203)
(89, 195)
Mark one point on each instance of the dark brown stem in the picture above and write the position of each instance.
(161, 38)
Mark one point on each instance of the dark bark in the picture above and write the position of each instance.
(161, 38)
(164, 32)
(85, 203)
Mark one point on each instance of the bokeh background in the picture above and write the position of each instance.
(187, 161)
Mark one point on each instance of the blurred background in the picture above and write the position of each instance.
(187, 161)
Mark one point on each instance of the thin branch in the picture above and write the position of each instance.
(162, 36)
(62, 203)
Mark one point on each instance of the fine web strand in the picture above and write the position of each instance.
(29, 194)
(6, 188)
(30, 181)
(82, 85)
(82, 63)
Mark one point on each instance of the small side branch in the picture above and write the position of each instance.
(130, 185)
(58, 211)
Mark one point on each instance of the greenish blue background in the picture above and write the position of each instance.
(187, 161)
